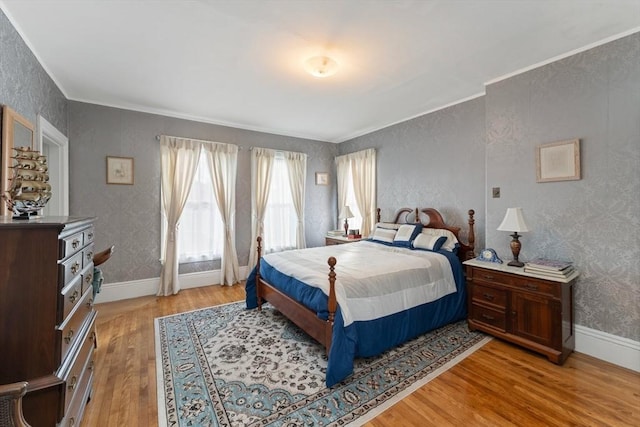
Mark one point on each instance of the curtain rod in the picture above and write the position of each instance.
(198, 140)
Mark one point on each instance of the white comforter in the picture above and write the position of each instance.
(372, 280)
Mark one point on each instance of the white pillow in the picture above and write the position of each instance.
(383, 235)
(429, 242)
(449, 244)
(388, 225)
(406, 233)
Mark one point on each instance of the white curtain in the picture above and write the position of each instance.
(261, 167)
(179, 161)
(223, 160)
(343, 168)
(363, 173)
(297, 167)
(362, 166)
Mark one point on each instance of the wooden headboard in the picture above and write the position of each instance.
(433, 219)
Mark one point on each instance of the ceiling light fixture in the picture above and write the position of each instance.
(321, 66)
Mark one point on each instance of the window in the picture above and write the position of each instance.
(201, 233)
(280, 217)
(357, 176)
(355, 223)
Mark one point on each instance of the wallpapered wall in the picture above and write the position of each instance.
(490, 142)
(129, 216)
(24, 85)
(435, 160)
(594, 96)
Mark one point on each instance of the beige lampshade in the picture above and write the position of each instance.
(345, 212)
(514, 221)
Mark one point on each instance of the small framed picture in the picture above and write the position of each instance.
(120, 170)
(322, 178)
(558, 161)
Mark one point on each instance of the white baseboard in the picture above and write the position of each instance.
(610, 348)
(139, 288)
(601, 345)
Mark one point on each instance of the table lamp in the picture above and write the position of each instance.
(345, 213)
(514, 221)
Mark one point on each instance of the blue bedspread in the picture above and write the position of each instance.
(367, 338)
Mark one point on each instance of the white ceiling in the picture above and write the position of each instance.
(239, 63)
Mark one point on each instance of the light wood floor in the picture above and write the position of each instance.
(500, 384)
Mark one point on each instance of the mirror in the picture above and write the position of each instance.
(16, 132)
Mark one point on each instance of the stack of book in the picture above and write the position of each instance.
(549, 267)
(335, 233)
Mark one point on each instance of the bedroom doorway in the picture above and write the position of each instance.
(55, 145)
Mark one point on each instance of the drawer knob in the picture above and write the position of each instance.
(72, 422)
(88, 278)
(69, 336)
(89, 255)
(488, 296)
(91, 365)
(73, 297)
(90, 303)
(90, 236)
(72, 383)
(487, 316)
(531, 286)
(75, 268)
(75, 243)
(488, 276)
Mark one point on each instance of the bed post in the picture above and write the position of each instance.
(377, 215)
(472, 235)
(259, 249)
(332, 304)
(417, 221)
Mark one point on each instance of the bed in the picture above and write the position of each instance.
(378, 296)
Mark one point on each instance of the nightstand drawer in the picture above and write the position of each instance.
(493, 318)
(487, 295)
(538, 286)
(486, 276)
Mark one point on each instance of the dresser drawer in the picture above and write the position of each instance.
(88, 235)
(73, 415)
(87, 278)
(538, 286)
(88, 255)
(488, 295)
(71, 268)
(70, 297)
(71, 244)
(72, 325)
(487, 276)
(81, 364)
(493, 318)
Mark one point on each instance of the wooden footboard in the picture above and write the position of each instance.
(305, 318)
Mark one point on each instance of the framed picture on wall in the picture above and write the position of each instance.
(322, 178)
(558, 161)
(120, 170)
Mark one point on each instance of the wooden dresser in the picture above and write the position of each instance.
(47, 318)
(530, 310)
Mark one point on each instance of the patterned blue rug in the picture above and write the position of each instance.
(228, 366)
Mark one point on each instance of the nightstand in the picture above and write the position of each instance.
(533, 311)
(338, 240)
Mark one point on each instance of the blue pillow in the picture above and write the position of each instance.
(405, 235)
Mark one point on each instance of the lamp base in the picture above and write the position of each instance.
(516, 263)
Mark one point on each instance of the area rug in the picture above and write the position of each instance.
(229, 366)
